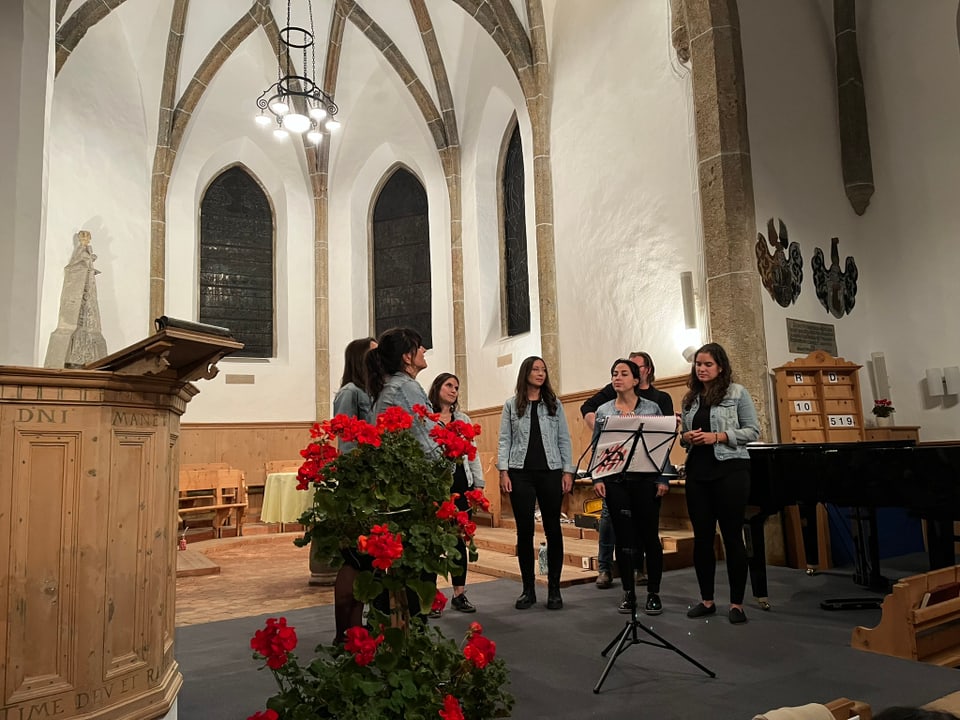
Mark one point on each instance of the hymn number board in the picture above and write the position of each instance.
(818, 400)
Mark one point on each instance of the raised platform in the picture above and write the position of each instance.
(191, 563)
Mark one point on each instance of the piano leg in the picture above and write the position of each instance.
(757, 557)
(940, 544)
(867, 543)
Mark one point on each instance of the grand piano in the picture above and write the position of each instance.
(924, 479)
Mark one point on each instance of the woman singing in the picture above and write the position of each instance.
(535, 459)
(719, 419)
(633, 498)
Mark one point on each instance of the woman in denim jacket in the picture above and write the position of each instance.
(535, 460)
(718, 420)
(633, 499)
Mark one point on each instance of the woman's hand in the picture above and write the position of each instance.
(600, 489)
(505, 484)
(567, 482)
(701, 437)
(662, 489)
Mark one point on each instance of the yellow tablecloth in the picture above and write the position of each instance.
(282, 502)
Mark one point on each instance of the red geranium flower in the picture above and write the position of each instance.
(362, 645)
(383, 545)
(477, 499)
(480, 650)
(393, 419)
(439, 602)
(264, 715)
(274, 642)
(448, 509)
(451, 709)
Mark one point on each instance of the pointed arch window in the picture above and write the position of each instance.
(515, 293)
(401, 257)
(236, 261)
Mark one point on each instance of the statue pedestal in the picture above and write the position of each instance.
(88, 500)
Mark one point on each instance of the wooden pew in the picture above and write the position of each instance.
(278, 466)
(929, 634)
(217, 491)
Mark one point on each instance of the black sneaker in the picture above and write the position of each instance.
(700, 610)
(526, 600)
(434, 614)
(653, 606)
(460, 602)
(736, 616)
(629, 602)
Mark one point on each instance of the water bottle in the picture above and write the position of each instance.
(542, 558)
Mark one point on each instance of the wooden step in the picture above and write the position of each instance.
(191, 563)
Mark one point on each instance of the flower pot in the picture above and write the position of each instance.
(885, 421)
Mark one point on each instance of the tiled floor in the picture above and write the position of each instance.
(258, 575)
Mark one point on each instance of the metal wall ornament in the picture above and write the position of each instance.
(836, 288)
(782, 271)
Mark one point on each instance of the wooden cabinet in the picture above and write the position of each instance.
(893, 432)
(818, 400)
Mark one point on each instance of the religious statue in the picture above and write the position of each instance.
(78, 339)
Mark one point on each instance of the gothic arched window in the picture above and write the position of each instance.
(516, 280)
(401, 257)
(236, 261)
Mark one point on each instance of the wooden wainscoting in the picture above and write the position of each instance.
(245, 446)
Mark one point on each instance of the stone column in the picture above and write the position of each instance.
(734, 304)
(26, 42)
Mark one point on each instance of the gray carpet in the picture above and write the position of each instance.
(795, 654)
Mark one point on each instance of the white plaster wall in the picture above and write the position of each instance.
(906, 288)
(625, 220)
(382, 128)
(220, 134)
(100, 163)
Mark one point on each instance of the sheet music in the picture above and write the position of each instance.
(649, 436)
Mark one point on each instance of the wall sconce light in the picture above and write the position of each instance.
(689, 300)
(689, 353)
(943, 381)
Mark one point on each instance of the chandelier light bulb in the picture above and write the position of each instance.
(263, 120)
(295, 122)
(279, 107)
(332, 125)
(315, 136)
(318, 113)
(280, 134)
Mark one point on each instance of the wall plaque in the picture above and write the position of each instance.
(804, 337)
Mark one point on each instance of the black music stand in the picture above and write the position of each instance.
(615, 455)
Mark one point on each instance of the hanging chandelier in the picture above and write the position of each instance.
(295, 103)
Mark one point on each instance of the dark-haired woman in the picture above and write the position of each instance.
(719, 419)
(392, 368)
(633, 498)
(535, 460)
(467, 475)
(351, 399)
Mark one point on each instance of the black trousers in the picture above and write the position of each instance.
(721, 500)
(635, 513)
(460, 486)
(543, 487)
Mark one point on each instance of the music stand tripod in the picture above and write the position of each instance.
(615, 453)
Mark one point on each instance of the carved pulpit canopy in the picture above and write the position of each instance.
(180, 350)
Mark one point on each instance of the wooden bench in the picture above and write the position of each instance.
(217, 491)
(839, 709)
(929, 634)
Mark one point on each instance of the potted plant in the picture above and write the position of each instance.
(883, 409)
(388, 499)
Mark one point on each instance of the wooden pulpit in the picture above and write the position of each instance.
(88, 501)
